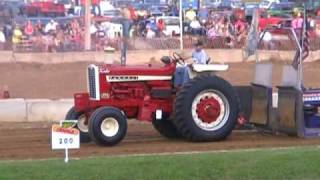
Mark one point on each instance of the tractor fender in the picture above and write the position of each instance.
(201, 69)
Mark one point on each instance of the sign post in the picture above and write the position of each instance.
(64, 136)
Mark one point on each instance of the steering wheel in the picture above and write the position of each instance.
(177, 57)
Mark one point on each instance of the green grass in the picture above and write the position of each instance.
(300, 163)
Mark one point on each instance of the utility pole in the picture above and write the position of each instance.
(181, 24)
(87, 22)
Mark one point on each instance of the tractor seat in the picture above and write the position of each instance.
(157, 70)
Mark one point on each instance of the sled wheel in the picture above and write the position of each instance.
(166, 127)
(107, 126)
(81, 125)
(206, 109)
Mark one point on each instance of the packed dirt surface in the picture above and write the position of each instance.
(29, 141)
(32, 141)
(30, 80)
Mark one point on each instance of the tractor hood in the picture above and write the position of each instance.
(141, 70)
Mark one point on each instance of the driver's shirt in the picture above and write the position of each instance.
(199, 57)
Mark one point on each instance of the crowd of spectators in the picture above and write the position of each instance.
(53, 36)
(49, 37)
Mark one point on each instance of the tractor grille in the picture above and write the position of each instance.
(93, 83)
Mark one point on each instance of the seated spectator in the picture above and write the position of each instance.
(240, 30)
(51, 26)
(39, 28)
(212, 33)
(16, 37)
(190, 14)
(150, 33)
(161, 27)
(311, 24)
(28, 29)
(152, 25)
(196, 28)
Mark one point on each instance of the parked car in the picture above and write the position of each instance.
(284, 21)
(278, 9)
(172, 25)
(265, 4)
(155, 11)
(237, 5)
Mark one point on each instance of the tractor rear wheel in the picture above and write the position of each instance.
(166, 127)
(206, 109)
(81, 125)
(107, 126)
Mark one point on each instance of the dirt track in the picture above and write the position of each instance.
(26, 141)
(32, 141)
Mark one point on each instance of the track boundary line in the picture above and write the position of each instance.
(168, 153)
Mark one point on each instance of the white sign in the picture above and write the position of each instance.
(65, 138)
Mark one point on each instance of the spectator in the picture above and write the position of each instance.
(267, 40)
(96, 7)
(212, 32)
(152, 25)
(16, 37)
(196, 28)
(28, 29)
(297, 21)
(51, 26)
(174, 11)
(38, 28)
(240, 30)
(190, 14)
(310, 23)
(150, 33)
(161, 27)
(93, 29)
(2, 39)
(8, 31)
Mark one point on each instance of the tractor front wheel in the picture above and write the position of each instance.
(206, 109)
(81, 124)
(107, 126)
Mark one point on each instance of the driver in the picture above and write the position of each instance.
(198, 56)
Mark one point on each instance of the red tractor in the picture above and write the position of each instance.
(203, 109)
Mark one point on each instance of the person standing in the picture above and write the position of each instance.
(96, 7)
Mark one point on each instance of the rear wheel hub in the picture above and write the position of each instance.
(208, 109)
